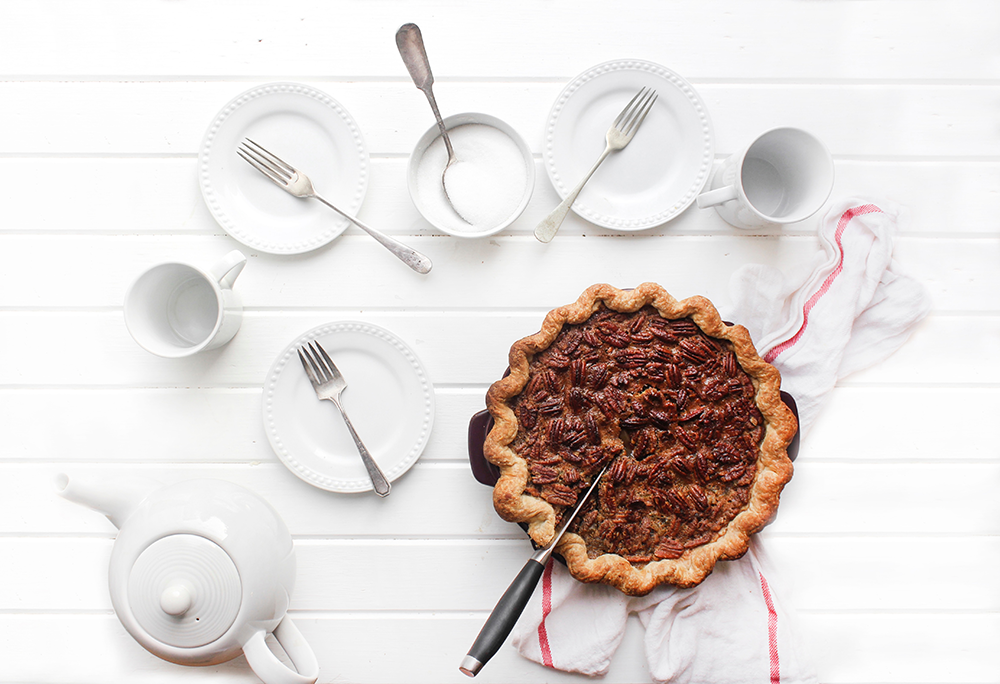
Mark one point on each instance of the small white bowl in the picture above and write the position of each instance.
(424, 184)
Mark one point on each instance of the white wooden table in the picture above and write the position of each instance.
(890, 527)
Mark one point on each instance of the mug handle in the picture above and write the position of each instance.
(271, 670)
(717, 196)
(226, 271)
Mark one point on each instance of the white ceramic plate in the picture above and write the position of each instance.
(389, 398)
(308, 129)
(658, 175)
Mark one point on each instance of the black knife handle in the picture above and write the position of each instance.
(504, 615)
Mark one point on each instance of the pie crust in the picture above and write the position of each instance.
(682, 406)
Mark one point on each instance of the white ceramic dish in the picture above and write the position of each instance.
(425, 188)
(389, 398)
(661, 171)
(305, 127)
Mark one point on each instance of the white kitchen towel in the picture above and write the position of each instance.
(730, 629)
(848, 308)
(845, 309)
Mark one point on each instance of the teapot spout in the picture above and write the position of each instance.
(115, 497)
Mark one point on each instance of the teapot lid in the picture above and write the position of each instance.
(184, 590)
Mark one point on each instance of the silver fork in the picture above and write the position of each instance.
(618, 136)
(328, 382)
(296, 183)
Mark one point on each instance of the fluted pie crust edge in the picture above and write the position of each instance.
(774, 468)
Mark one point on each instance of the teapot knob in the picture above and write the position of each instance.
(176, 599)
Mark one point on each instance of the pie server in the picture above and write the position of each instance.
(512, 603)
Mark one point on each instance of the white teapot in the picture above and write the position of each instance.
(201, 571)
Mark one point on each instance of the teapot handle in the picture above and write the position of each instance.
(271, 670)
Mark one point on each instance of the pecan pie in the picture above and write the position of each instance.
(682, 407)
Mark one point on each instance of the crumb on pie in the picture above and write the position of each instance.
(682, 407)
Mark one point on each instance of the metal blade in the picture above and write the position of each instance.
(542, 555)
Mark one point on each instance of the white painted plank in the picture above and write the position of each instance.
(371, 648)
(444, 500)
(910, 424)
(950, 572)
(149, 195)
(902, 648)
(934, 356)
(219, 425)
(873, 40)
(431, 500)
(108, 118)
(829, 573)
(103, 353)
(363, 648)
(223, 425)
(507, 273)
(836, 498)
(34, 347)
(161, 196)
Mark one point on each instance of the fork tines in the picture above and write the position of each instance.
(318, 364)
(635, 111)
(308, 363)
(265, 162)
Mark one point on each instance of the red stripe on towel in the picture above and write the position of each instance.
(772, 630)
(845, 219)
(543, 637)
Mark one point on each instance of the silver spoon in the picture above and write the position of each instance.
(411, 48)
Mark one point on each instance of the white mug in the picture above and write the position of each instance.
(176, 309)
(784, 176)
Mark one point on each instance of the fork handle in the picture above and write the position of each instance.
(381, 484)
(411, 257)
(546, 230)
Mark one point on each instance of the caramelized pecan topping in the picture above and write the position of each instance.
(669, 405)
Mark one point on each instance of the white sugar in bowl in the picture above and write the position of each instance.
(489, 185)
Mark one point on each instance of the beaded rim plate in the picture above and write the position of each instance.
(389, 398)
(305, 127)
(661, 171)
